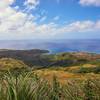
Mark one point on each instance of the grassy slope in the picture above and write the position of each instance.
(64, 65)
(63, 74)
(9, 63)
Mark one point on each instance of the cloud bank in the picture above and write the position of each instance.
(21, 25)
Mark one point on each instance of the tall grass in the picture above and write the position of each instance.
(27, 86)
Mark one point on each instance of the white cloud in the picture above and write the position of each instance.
(34, 30)
(5, 3)
(81, 27)
(12, 20)
(90, 2)
(97, 26)
(31, 4)
(16, 24)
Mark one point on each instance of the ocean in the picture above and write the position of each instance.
(54, 46)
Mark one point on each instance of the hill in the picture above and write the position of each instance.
(72, 58)
(41, 58)
(30, 57)
(9, 63)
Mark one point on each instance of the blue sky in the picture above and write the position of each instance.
(68, 10)
(49, 19)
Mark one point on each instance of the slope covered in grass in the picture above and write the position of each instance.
(9, 63)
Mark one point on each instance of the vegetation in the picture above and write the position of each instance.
(29, 86)
(29, 57)
(9, 63)
(41, 58)
(32, 75)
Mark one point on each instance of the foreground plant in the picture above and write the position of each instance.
(29, 86)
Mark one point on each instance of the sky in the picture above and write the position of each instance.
(49, 19)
